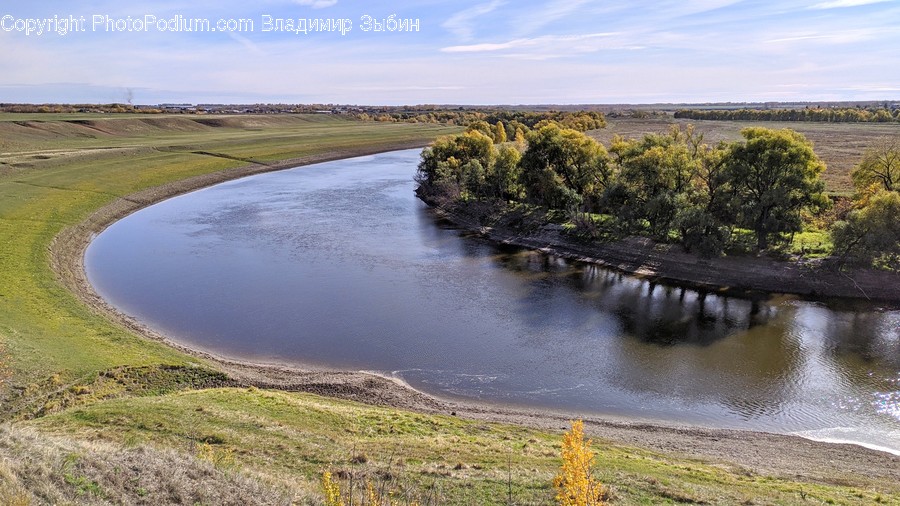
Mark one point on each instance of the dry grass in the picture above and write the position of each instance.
(37, 469)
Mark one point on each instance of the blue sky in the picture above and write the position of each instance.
(470, 52)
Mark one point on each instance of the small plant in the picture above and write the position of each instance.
(332, 490)
(375, 490)
(575, 484)
(83, 485)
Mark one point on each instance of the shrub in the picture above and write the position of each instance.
(575, 484)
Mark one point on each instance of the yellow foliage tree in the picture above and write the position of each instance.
(332, 490)
(575, 484)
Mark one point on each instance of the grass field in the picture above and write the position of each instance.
(162, 433)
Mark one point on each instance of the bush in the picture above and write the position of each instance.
(575, 484)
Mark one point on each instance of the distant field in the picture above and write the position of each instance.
(840, 145)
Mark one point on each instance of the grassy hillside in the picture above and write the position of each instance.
(285, 440)
(97, 415)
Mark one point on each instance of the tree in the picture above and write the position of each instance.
(481, 126)
(446, 166)
(584, 121)
(703, 214)
(575, 483)
(773, 175)
(499, 133)
(519, 140)
(563, 167)
(880, 166)
(871, 235)
(654, 174)
(503, 179)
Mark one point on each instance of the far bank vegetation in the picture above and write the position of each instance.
(760, 195)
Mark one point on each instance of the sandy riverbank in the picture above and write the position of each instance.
(757, 453)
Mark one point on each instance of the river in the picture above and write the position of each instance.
(340, 265)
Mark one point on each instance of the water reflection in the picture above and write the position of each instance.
(673, 342)
(654, 313)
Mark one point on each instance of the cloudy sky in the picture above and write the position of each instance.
(467, 52)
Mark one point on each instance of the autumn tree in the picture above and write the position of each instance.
(583, 121)
(774, 175)
(575, 484)
(482, 127)
(499, 133)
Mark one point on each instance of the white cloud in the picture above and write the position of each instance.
(838, 37)
(316, 4)
(534, 20)
(547, 46)
(481, 48)
(691, 7)
(839, 4)
(460, 24)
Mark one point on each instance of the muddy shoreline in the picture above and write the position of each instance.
(754, 453)
(747, 277)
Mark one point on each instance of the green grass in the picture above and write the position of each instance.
(812, 244)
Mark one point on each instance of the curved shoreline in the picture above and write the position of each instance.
(754, 452)
(748, 277)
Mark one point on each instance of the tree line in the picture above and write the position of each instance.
(578, 120)
(830, 115)
(672, 187)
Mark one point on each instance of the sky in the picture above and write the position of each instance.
(464, 52)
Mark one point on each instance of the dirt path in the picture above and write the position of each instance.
(749, 452)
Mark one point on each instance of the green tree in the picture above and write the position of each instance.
(654, 174)
(703, 216)
(446, 168)
(871, 235)
(562, 167)
(880, 166)
(504, 178)
(773, 175)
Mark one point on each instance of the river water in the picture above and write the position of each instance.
(338, 264)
